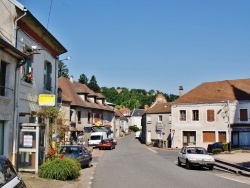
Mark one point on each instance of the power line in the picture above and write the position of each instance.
(49, 12)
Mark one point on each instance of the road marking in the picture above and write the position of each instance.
(152, 150)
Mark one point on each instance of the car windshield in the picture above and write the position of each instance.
(196, 150)
(69, 150)
(97, 137)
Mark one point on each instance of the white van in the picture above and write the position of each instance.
(96, 138)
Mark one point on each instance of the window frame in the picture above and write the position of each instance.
(3, 69)
(243, 114)
(183, 116)
(195, 115)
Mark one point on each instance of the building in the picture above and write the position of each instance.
(213, 112)
(83, 110)
(156, 123)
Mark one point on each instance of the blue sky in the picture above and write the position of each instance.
(151, 44)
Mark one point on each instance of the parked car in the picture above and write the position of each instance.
(216, 145)
(96, 138)
(8, 175)
(79, 152)
(114, 140)
(195, 156)
(106, 144)
(137, 134)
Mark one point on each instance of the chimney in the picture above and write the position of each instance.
(180, 91)
(71, 79)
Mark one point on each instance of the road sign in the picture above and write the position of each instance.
(47, 100)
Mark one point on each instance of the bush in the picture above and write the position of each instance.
(60, 169)
(225, 146)
(217, 150)
(134, 128)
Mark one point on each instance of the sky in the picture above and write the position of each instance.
(150, 44)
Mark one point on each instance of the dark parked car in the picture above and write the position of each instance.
(8, 175)
(215, 145)
(78, 152)
(106, 144)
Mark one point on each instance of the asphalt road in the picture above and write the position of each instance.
(132, 164)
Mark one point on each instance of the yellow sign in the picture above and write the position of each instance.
(47, 100)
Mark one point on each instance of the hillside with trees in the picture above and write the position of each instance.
(121, 96)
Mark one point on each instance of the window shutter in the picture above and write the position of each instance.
(243, 115)
(210, 115)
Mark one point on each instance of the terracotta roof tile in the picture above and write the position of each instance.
(71, 90)
(217, 91)
(159, 107)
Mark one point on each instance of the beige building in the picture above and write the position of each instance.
(213, 112)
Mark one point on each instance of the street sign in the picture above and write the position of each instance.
(47, 100)
(160, 126)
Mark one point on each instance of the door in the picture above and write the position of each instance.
(189, 138)
(149, 137)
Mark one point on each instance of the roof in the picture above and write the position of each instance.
(217, 91)
(137, 112)
(71, 91)
(159, 108)
(120, 115)
(36, 30)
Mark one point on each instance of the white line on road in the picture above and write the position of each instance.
(152, 150)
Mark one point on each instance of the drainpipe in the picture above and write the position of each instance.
(16, 96)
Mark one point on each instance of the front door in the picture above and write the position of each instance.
(189, 138)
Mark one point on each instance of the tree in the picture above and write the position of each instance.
(63, 70)
(83, 79)
(93, 84)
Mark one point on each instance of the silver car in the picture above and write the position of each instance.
(195, 156)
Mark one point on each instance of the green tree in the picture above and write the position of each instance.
(83, 79)
(93, 84)
(63, 70)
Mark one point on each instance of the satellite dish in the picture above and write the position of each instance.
(223, 114)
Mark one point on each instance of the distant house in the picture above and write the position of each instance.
(126, 113)
(213, 112)
(84, 109)
(156, 122)
(136, 116)
(121, 123)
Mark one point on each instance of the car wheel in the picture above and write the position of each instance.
(187, 165)
(90, 164)
(211, 167)
(100, 148)
(179, 162)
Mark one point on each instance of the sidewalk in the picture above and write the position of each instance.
(33, 181)
(239, 158)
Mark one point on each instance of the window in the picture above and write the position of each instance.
(208, 136)
(47, 75)
(195, 115)
(88, 117)
(148, 119)
(243, 115)
(27, 70)
(2, 78)
(182, 115)
(160, 118)
(210, 115)
(79, 117)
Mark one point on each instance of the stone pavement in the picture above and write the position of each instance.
(85, 180)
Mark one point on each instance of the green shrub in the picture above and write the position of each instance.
(60, 169)
(225, 146)
(134, 128)
(217, 150)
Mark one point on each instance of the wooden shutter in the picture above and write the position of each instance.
(210, 115)
(208, 136)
